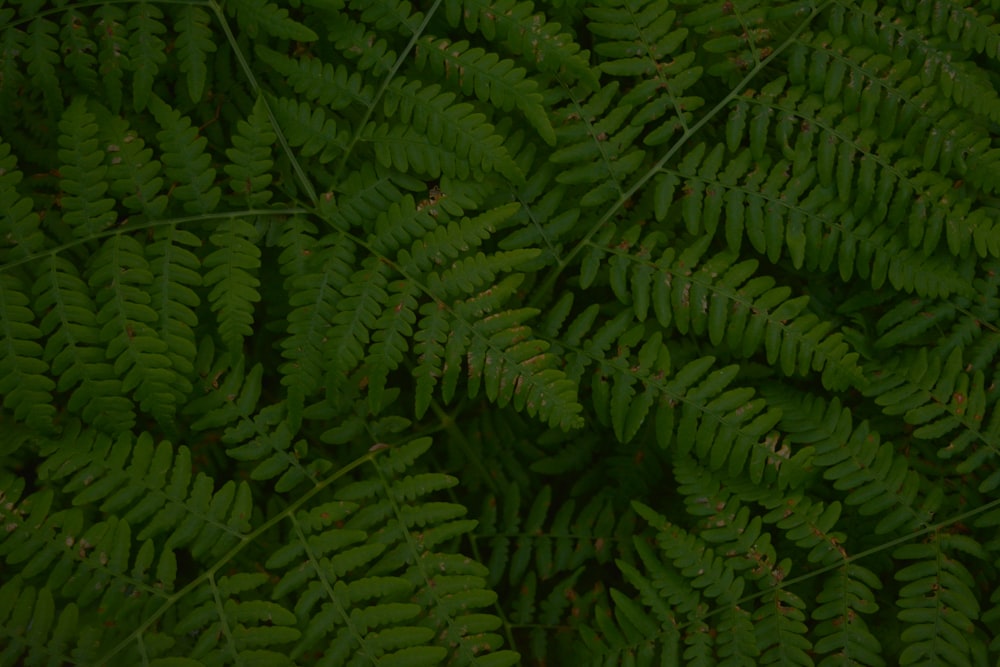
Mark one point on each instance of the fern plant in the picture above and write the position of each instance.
(474, 332)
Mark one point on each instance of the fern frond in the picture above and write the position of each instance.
(88, 211)
(12, 68)
(938, 601)
(780, 629)
(879, 481)
(315, 270)
(147, 54)
(75, 348)
(368, 49)
(193, 44)
(539, 551)
(389, 342)
(358, 309)
(693, 408)
(386, 593)
(30, 626)
(938, 397)
(604, 152)
(231, 275)
(937, 62)
(79, 50)
(309, 127)
(184, 159)
(250, 157)
(525, 33)
(262, 16)
(20, 225)
(113, 48)
(152, 486)
(697, 575)
(502, 355)
(492, 79)
(429, 346)
(265, 438)
(389, 14)
(120, 277)
(728, 303)
(365, 195)
(842, 634)
(327, 85)
(175, 270)
(23, 383)
(250, 628)
(779, 210)
(459, 141)
(42, 56)
(643, 39)
(134, 176)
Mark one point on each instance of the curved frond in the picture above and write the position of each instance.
(695, 303)
(492, 79)
(256, 16)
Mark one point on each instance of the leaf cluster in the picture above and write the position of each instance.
(475, 332)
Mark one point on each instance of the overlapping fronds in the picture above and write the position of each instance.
(693, 303)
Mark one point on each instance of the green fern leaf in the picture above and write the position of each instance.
(251, 158)
(779, 625)
(42, 55)
(113, 51)
(525, 33)
(605, 149)
(87, 210)
(395, 14)
(361, 303)
(502, 355)
(842, 632)
(250, 627)
(24, 386)
(184, 159)
(231, 276)
(458, 140)
(314, 270)
(193, 44)
(938, 603)
(490, 78)
(147, 52)
(121, 277)
(75, 349)
(389, 342)
(175, 275)
(370, 49)
(79, 50)
(309, 128)
(134, 175)
(642, 39)
(320, 82)
(256, 16)
(28, 616)
(432, 334)
(12, 67)
(20, 226)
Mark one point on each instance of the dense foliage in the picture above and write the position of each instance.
(610, 332)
